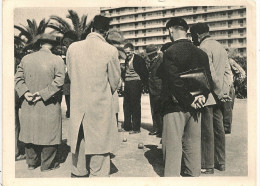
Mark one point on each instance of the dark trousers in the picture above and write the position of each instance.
(67, 99)
(227, 109)
(181, 144)
(212, 137)
(132, 105)
(19, 146)
(46, 154)
(156, 115)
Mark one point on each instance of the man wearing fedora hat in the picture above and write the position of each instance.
(155, 87)
(38, 82)
(181, 120)
(94, 72)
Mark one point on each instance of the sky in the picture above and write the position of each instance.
(22, 14)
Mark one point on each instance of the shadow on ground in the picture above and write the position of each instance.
(147, 126)
(155, 158)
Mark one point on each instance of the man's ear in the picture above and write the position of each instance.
(91, 30)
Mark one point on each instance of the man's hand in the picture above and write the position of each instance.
(28, 96)
(225, 98)
(198, 102)
(36, 97)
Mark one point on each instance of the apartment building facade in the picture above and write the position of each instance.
(146, 25)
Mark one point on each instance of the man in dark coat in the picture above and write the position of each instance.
(135, 75)
(38, 82)
(155, 87)
(181, 121)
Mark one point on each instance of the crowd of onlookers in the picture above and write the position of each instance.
(191, 119)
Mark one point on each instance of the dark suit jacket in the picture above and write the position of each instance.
(139, 67)
(180, 57)
(155, 82)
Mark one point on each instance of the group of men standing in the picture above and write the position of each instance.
(191, 127)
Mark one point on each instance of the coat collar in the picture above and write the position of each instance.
(97, 35)
(45, 50)
(181, 40)
(206, 38)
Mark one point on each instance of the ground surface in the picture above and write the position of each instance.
(129, 161)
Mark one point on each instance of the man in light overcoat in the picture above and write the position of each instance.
(94, 71)
(38, 82)
(212, 129)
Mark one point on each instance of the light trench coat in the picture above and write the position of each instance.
(94, 72)
(41, 72)
(219, 67)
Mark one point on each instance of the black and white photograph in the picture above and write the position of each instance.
(152, 91)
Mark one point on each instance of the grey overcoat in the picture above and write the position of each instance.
(94, 72)
(41, 72)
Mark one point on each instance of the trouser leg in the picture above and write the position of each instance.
(191, 144)
(156, 115)
(17, 130)
(136, 93)
(207, 138)
(99, 165)
(67, 99)
(173, 127)
(227, 111)
(153, 112)
(79, 158)
(49, 157)
(32, 154)
(127, 107)
(219, 135)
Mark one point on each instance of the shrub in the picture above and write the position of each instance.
(241, 87)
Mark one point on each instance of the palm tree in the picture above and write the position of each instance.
(32, 30)
(80, 27)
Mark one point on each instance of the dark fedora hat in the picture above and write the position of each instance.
(101, 22)
(151, 49)
(49, 38)
(35, 43)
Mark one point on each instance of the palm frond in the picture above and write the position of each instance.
(56, 28)
(41, 27)
(61, 21)
(73, 16)
(83, 21)
(23, 32)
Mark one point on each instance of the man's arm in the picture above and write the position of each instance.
(228, 78)
(57, 83)
(216, 83)
(114, 71)
(176, 85)
(19, 79)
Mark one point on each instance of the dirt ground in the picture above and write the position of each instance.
(129, 161)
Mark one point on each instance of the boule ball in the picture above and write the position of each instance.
(140, 146)
(124, 139)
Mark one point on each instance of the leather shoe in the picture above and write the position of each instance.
(31, 167)
(220, 167)
(134, 132)
(53, 168)
(153, 133)
(207, 171)
(76, 176)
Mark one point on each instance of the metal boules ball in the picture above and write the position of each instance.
(140, 146)
(125, 139)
